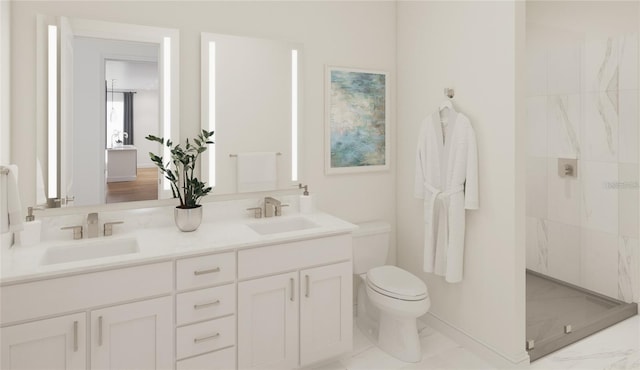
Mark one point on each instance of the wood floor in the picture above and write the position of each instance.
(145, 187)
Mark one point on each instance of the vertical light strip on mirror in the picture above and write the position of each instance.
(294, 115)
(212, 110)
(166, 101)
(52, 111)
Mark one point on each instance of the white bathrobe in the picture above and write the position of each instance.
(447, 179)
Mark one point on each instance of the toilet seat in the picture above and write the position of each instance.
(396, 283)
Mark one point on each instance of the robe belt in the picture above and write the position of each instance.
(443, 197)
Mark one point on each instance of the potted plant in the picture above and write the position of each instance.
(184, 184)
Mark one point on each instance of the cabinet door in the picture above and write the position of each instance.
(57, 343)
(268, 322)
(326, 313)
(133, 336)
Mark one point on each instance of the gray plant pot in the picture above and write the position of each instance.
(188, 219)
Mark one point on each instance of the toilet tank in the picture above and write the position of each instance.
(370, 245)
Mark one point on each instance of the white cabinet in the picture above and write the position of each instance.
(280, 306)
(300, 317)
(268, 322)
(133, 336)
(205, 317)
(54, 344)
(326, 314)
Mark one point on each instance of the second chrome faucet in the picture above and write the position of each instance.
(93, 227)
(272, 207)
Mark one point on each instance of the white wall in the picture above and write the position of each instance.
(5, 129)
(584, 230)
(357, 34)
(474, 47)
(146, 121)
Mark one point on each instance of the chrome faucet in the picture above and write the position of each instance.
(92, 225)
(271, 207)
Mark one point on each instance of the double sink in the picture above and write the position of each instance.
(107, 247)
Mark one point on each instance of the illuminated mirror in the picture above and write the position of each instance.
(108, 86)
(250, 98)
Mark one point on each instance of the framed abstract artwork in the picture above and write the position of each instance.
(357, 120)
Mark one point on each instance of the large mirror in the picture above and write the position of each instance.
(251, 101)
(105, 87)
(250, 98)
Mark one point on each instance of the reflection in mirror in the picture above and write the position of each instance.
(132, 112)
(250, 99)
(117, 84)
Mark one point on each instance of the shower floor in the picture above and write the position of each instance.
(553, 306)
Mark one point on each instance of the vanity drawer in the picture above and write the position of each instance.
(223, 360)
(205, 304)
(78, 292)
(202, 271)
(205, 336)
(293, 256)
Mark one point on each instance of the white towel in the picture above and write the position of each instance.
(14, 206)
(256, 171)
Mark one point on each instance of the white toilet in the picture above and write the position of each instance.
(389, 299)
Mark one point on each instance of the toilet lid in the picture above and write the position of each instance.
(397, 283)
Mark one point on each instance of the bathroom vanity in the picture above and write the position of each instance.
(246, 294)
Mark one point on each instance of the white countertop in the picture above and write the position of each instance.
(22, 264)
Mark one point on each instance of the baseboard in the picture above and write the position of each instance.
(476, 346)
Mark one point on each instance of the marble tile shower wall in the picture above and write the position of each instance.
(582, 102)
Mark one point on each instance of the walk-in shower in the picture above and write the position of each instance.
(559, 313)
(583, 253)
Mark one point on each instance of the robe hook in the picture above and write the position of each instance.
(449, 93)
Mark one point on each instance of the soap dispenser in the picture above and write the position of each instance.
(30, 235)
(306, 201)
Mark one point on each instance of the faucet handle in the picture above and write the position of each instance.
(77, 231)
(257, 211)
(279, 208)
(108, 227)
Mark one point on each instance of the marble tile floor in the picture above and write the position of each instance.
(617, 347)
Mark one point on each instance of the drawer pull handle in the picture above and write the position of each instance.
(208, 337)
(75, 336)
(100, 330)
(209, 271)
(308, 292)
(205, 305)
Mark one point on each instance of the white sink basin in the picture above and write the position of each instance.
(85, 250)
(278, 225)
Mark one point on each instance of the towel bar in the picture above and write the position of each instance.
(235, 155)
